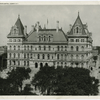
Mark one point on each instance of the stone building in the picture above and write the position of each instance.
(49, 46)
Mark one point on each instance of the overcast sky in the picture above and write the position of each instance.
(65, 14)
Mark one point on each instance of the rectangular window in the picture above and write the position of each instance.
(24, 63)
(31, 56)
(18, 62)
(18, 55)
(24, 55)
(27, 63)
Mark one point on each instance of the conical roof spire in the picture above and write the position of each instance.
(78, 13)
(18, 27)
(77, 22)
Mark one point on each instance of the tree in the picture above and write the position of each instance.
(27, 90)
(65, 81)
(44, 79)
(13, 84)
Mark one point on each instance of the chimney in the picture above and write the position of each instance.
(70, 27)
(37, 28)
(85, 26)
(57, 26)
(25, 30)
(44, 26)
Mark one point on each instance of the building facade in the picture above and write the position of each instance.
(50, 47)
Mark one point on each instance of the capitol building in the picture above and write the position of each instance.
(49, 47)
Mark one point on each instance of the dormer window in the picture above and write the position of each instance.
(39, 38)
(77, 30)
(14, 31)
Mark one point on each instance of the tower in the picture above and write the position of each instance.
(80, 45)
(15, 44)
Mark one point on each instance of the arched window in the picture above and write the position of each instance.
(77, 48)
(44, 47)
(39, 47)
(46, 64)
(41, 65)
(31, 47)
(82, 48)
(61, 48)
(27, 47)
(10, 62)
(58, 48)
(61, 56)
(38, 56)
(24, 55)
(62, 63)
(71, 56)
(82, 57)
(27, 55)
(14, 47)
(76, 56)
(65, 56)
(24, 63)
(14, 31)
(9, 55)
(43, 56)
(49, 47)
(18, 62)
(14, 55)
(18, 40)
(18, 47)
(71, 48)
(14, 62)
(76, 29)
(10, 47)
(65, 48)
(18, 55)
(24, 47)
(27, 63)
(58, 56)
(39, 38)
(31, 56)
(44, 38)
(48, 56)
(71, 64)
(49, 39)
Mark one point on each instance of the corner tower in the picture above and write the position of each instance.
(80, 44)
(14, 46)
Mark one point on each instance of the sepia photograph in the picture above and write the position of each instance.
(49, 49)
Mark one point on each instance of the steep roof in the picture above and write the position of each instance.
(78, 21)
(19, 29)
(57, 36)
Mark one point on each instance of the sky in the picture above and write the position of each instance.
(65, 14)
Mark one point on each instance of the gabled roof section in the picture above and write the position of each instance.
(57, 36)
(17, 30)
(77, 22)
